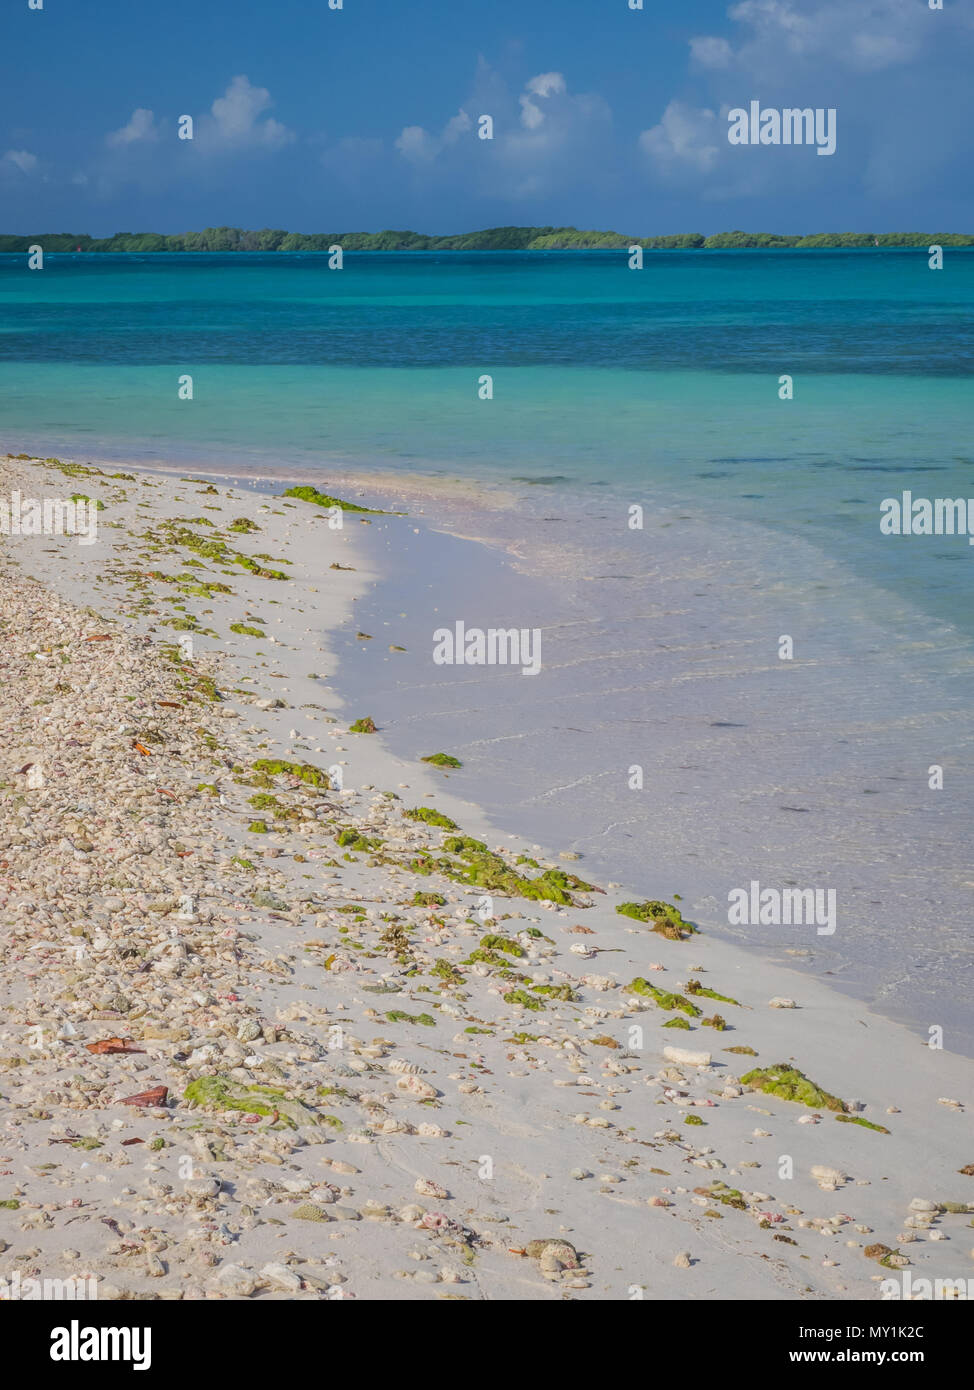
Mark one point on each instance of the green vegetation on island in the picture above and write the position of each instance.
(224, 239)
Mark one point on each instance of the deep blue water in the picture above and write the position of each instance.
(861, 312)
(660, 385)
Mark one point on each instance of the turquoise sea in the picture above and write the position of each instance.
(663, 378)
(611, 388)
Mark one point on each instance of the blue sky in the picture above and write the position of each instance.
(366, 117)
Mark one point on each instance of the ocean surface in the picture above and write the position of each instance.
(611, 389)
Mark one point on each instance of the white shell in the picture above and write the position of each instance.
(426, 1187)
(399, 1064)
(415, 1087)
(830, 1176)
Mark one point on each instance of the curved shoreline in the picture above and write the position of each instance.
(557, 1103)
(487, 518)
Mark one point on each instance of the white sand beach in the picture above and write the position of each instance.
(375, 1085)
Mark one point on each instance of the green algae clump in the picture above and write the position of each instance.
(521, 996)
(321, 499)
(431, 817)
(482, 868)
(442, 760)
(695, 987)
(564, 992)
(858, 1120)
(502, 943)
(215, 549)
(305, 772)
(350, 838)
(662, 997)
(366, 725)
(665, 918)
(489, 871)
(485, 958)
(791, 1084)
(463, 844)
(443, 970)
(202, 588)
(727, 1196)
(222, 1093)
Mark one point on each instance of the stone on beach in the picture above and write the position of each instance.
(687, 1058)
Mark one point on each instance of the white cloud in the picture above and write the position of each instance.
(563, 139)
(711, 53)
(416, 144)
(867, 35)
(542, 139)
(20, 159)
(420, 147)
(234, 119)
(545, 139)
(854, 55)
(531, 116)
(455, 127)
(141, 126)
(686, 137)
(146, 155)
(547, 84)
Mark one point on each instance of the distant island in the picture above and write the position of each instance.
(493, 239)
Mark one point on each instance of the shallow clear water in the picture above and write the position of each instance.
(611, 388)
